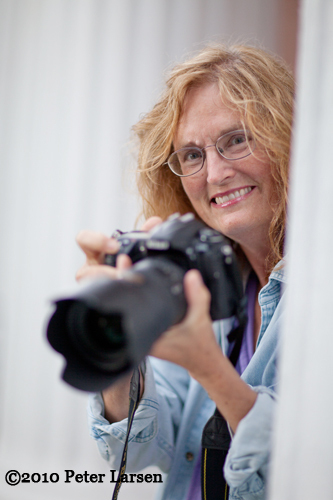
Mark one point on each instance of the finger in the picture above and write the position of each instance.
(95, 245)
(87, 271)
(151, 222)
(123, 262)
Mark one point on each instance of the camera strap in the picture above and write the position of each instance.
(134, 399)
(215, 445)
(216, 436)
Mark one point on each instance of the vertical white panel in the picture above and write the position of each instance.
(303, 461)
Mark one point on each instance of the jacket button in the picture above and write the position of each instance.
(189, 456)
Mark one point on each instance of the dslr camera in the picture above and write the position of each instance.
(107, 328)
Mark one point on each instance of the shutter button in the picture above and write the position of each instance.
(189, 456)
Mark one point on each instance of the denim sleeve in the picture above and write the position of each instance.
(247, 462)
(155, 424)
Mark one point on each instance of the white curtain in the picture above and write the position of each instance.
(74, 76)
(303, 461)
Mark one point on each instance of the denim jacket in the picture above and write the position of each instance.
(174, 408)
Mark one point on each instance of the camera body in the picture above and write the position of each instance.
(109, 326)
(190, 244)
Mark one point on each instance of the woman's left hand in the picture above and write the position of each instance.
(192, 344)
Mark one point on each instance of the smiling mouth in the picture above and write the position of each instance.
(219, 200)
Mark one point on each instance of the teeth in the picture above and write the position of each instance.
(236, 194)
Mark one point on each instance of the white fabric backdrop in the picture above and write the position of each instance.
(304, 438)
(75, 75)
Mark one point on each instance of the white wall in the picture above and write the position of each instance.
(303, 461)
(74, 76)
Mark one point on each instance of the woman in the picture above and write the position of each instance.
(216, 144)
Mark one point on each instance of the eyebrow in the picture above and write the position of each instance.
(231, 128)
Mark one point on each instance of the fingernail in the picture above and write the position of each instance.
(195, 272)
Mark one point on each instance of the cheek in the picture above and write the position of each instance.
(194, 187)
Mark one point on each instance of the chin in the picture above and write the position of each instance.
(233, 231)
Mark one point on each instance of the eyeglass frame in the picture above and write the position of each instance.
(202, 151)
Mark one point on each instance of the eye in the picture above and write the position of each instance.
(237, 139)
(190, 157)
(236, 144)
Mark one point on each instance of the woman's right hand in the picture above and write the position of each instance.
(95, 246)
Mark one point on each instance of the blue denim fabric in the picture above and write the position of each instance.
(174, 408)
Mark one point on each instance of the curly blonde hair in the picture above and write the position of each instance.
(255, 83)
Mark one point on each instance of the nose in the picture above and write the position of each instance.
(218, 168)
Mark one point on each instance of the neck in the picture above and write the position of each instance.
(257, 259)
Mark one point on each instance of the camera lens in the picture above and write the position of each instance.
(104, 331)
(98, 337)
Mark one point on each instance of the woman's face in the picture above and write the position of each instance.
(217, 191)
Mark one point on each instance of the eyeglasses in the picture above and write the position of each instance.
(233, 145)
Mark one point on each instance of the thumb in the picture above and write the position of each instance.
(196, 292)
(151, 222)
